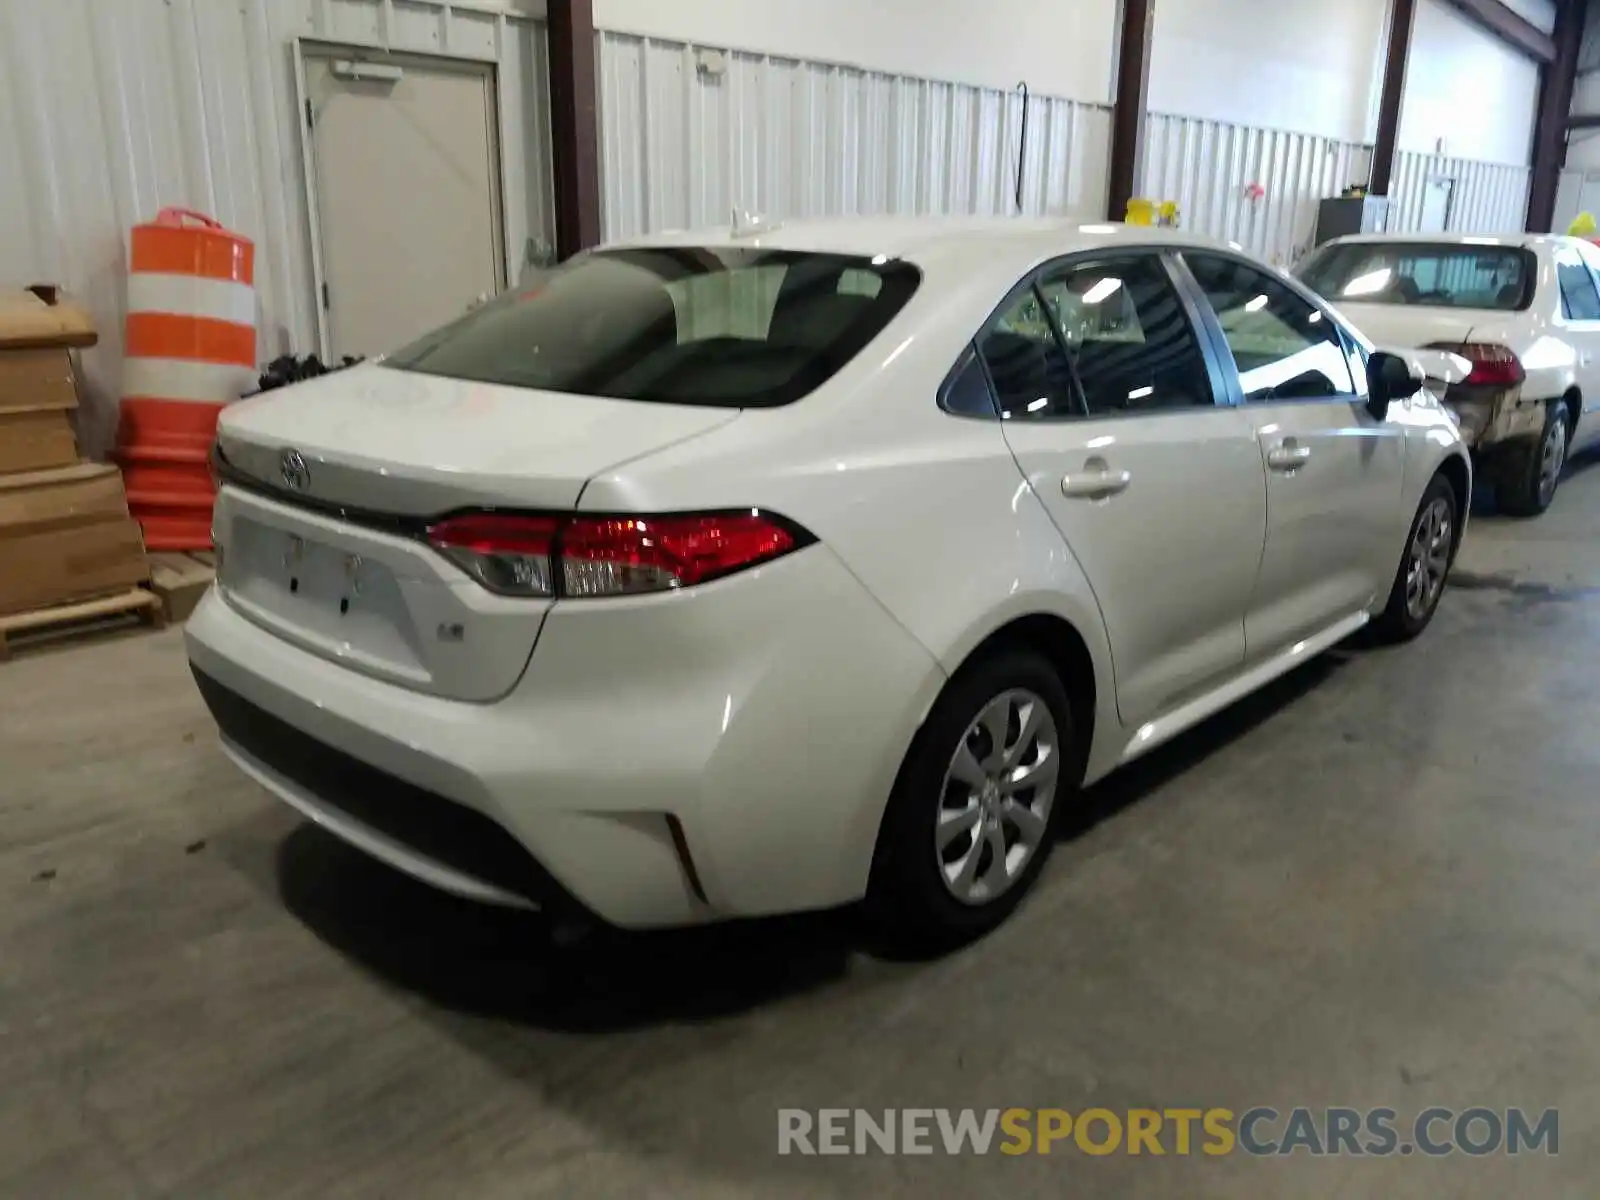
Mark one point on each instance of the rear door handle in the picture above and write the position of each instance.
(1095, 482)
(1288, 456)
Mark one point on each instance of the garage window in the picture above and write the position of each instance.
(719, 326)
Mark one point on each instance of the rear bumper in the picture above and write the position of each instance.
(663, 760)
(1493, 419)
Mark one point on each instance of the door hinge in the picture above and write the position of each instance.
(325, 301)
(311, 121)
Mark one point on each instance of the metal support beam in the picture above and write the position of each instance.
(1402, 18)
(1128, 115)
(1509, 26)
(1555, 108)
(574, 128)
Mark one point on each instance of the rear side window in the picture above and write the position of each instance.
(730, 327)
(1130, 339)
(1031, 376)
(968, 392)
(1579, 300)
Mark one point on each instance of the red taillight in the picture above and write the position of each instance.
(1492, 365)
(510, 555)
(608, 556)
(618, 556)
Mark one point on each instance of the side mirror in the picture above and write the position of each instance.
(1389, 378)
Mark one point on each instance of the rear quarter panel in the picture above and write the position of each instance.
(927, 509)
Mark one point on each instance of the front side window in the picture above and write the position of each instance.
(1439, 275)
(722, 326)
(1130, 339)
(1285, 348)
(1579, 300)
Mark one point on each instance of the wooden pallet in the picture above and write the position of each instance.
(61, 621)
(181, 580)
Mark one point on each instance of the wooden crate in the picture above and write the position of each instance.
(62, 621)
(181, 580)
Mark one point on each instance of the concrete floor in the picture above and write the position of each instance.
(1375, 885)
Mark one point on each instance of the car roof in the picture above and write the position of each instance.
(1528, 241)
(983, 240)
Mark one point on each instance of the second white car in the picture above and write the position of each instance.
(1524, 310)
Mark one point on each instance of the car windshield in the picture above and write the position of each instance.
(1447, 275)
(718, 326)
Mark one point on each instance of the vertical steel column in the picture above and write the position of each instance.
(1556, 79)
(1402, 18)
(574, 127)
(1128, 116)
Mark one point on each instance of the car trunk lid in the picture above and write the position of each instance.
(393, 441)
(331, 486)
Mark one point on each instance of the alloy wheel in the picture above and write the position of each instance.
(1428, 561)
(1552, 457)
(994, 806)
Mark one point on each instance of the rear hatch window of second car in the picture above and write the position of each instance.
(734, 327)
(1435, 275)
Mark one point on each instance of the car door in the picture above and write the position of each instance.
(1334, 472)
(1577, 270)
(1108, 404)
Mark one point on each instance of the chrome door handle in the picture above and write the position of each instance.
(1286, 456)
(1094, 484)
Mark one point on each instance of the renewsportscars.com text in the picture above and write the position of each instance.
(1260, 1131)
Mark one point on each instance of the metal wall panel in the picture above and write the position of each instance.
(192, 102)
(683, 147)
(1487, 197)
(1207, 167)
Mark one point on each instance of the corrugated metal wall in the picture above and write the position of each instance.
(1487, 197)
(110, 111)
(1206, 166)
(193, 102)
(682, 147)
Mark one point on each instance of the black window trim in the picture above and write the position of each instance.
(1177, 274)
(1350, 342)
(969, 353)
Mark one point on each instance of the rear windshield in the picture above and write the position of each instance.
(1439, 276)
(724, 327)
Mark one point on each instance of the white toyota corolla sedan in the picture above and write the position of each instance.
(746, 572)
(1524, 310)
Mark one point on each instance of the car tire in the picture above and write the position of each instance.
(1532, 471)
(935, 886)
(1424, 564)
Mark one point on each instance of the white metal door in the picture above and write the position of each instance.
(1437, 192)
(406, 166)
(1156, 490)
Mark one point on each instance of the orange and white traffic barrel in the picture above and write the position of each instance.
(190, 349)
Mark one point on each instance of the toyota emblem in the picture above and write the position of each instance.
(296, 475)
